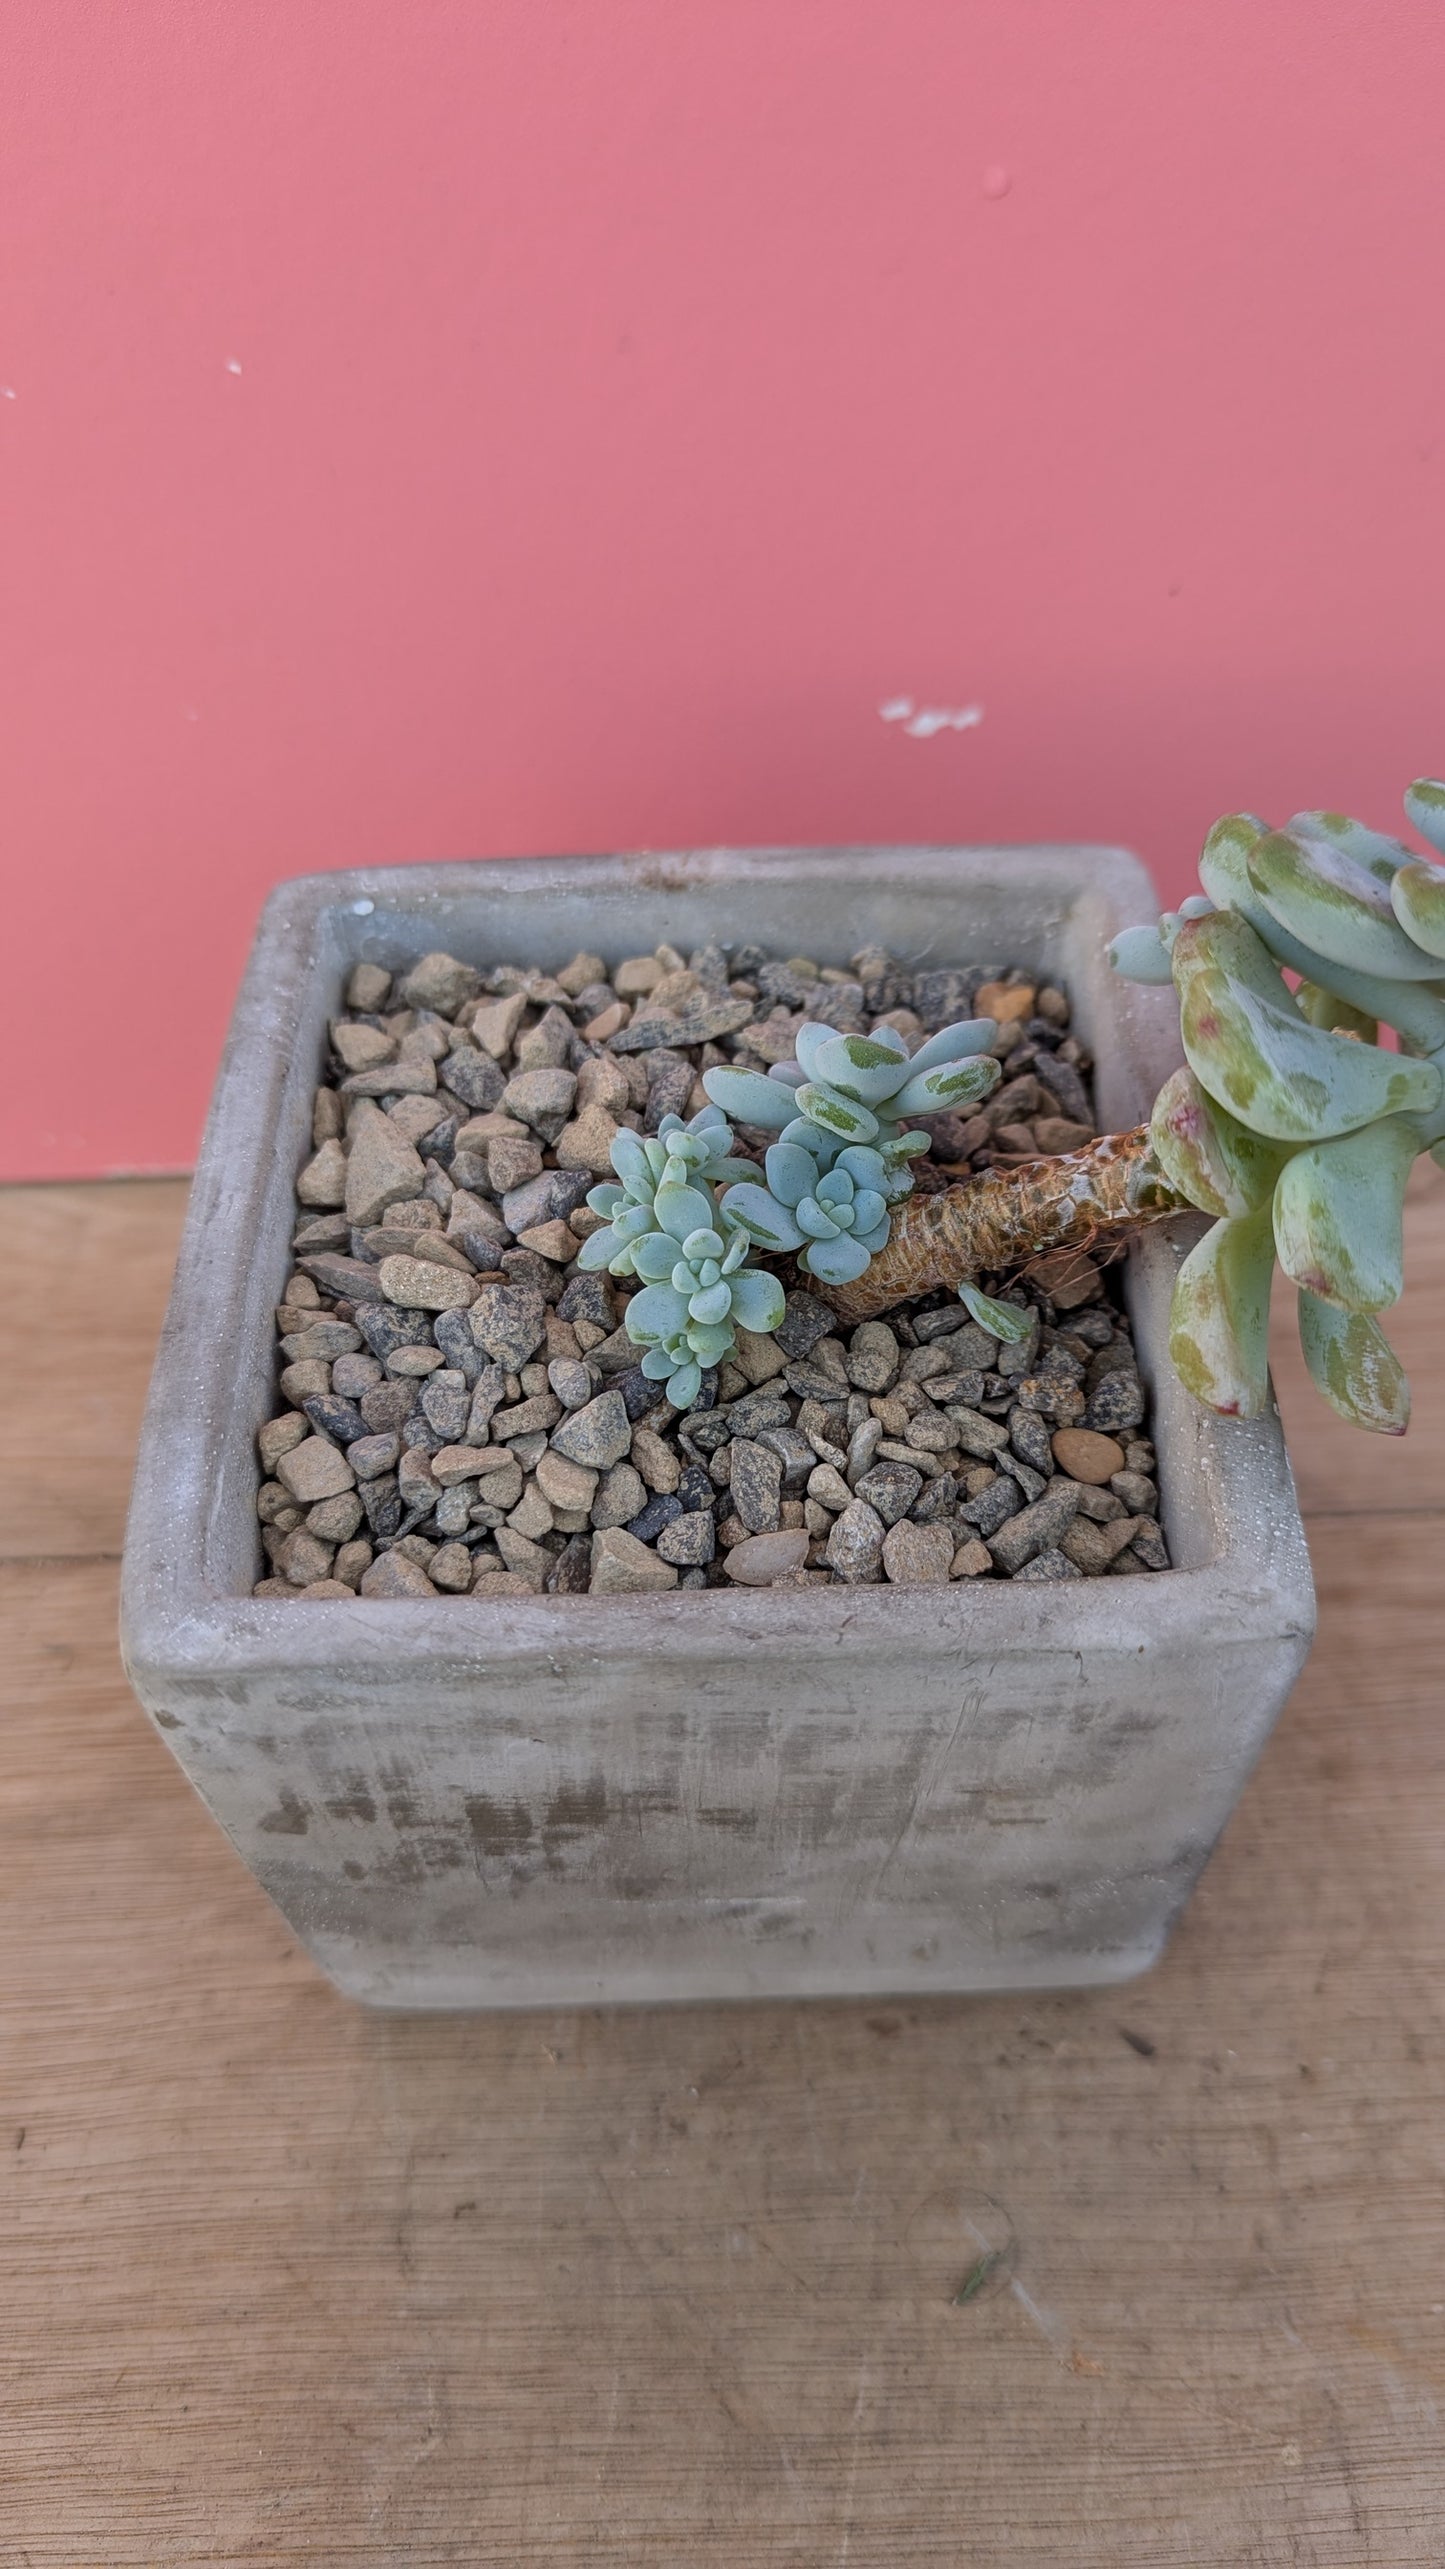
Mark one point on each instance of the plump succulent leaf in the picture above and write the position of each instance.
(838, 1261)
(1254, 1053)
(792, 1172)
(1219, 1319)
(1425, 807)
(1374, 849)
(1317, 889)
(953, 1043)
(836, 1113)
(654, 1257)
(948, 1086)
(1218, 1164)
(1339, 1215)
(770, 1224)
(1353, 1364)
(684, 1384)
(863, 1066)
(1002, 1320)
(1412, 1008)
(751, 1097)
(1140, 954)
(681, 1209)
(758, 1301)
(1418, 894)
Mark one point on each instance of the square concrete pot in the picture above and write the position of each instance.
(716, 1795)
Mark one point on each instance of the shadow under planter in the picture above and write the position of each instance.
(817, 1792)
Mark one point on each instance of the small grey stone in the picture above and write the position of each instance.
(756, 1481)
(670, 1078)
(589, 1297)
(1052, 1564)
(571, 1381)
(660, 1509)
(811, 1381)
(637, 1390)
(621, 1566)
(760, 1559)
(828, 1487)
(855, 1546)
(1116, 1404)
(917, 1556)
(341, 1420)
(1029, 1436)
(993, 1506)
(1035, 1529)
(552, 1196)
(453, 1511)
(439, 982)
(688, 1540)
(1068, 1088)
(873, 1355)
(1149, 1545)
(418, 1284)
(863, 1445)
(541, 1098)
(694, 1488)
(598, 1434)
(1137, 1492)
(1033, 1484)
(794, 1453)
(982, 1437)
(381, 1499)
(474, 1078)
(889, 1488)
(758, 1409)
(939, 1501)
(446, 1404)
(571, 1572)
(805, 1321)
(352, 1375)
(508, 1321)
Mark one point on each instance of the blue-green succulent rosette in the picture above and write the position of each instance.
(843, 1151)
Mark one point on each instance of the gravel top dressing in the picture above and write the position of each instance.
(462, 1411)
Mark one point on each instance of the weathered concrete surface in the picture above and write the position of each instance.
(587, 1799)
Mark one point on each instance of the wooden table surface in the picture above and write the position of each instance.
(283, 2282)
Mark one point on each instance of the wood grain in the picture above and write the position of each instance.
(285, 2283)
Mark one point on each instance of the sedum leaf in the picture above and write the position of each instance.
(792, 1173)
(1339, 1215)
(838, 1261)
(772, 1225)
(836, 1113)
(1380, 854)
(1418, 893)
(1219, 1318)
(1425, 806)
(970, 1035)
(863, 1065)
(752, 1098)
(1353, 1363)
(951, 1084)
(1338, 907)
(1322, 1008)
(681, 1209)
(1217, 1163)
(1224, 871)
(1250, 1048)
(759, 1301)
(1002, 1320)
(1140, 954)
(658, 1312)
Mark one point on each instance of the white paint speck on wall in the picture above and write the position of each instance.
(925, 722)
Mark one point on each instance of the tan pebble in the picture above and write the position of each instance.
(361, 1047)
(368, 987)
(759, 1358)
(303, 1558)
(417, 1284)
(315, 1470)
(759, 1559)
(1007, 1005)
(1086, 1455)
(395, 1574)
(637, 976)
(322, 1182)
(607, 1022)
(586, 1143)
(281, 1435)
(656, 1461)
(917, 1556)
(971, 1561)
(1054, 1133)
(621, 1566)
(552, 1240)
(499, 1584)
(327, 1588)
(351, 1561)
(566, 1485)
(581, 973)
(494, 1025)
(274, 1588)
(451, 1568)
(1051, 1005)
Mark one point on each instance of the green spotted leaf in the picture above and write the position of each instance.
(1250, 1048)
(835, 1113)
(1418, 893)
(1425, 806)
(948, 1085)
(1318, 889)
(750, 1097)
(1413, 1009)
(1374, 849)
(1353, 1364)
(1219, 1319)
(1215, 1162)
(1323, 1008)
(1339, 1215)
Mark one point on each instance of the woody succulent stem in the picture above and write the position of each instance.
(1003, 1217)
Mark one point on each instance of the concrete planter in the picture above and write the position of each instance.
(815, 1793)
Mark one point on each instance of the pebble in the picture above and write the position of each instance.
(1086, 1455)
(418, 1284)
(621, 1566)
(621, 1495)
(564, 1484)
(1036, 1528)
(655, 1460)
(508, 1321)
(855, 1546)
(382, 1168)
(314, 1470)
(441, 983)
(760, 1559)
(689, 1540)
(598, 1434)
(392, 1574)
(1149, 1545)
(1052, 1564)
(1138, 1494)
(971, 1561)
(889, 1489)
(541, 1098)
(1116, 1404)
(918, 1556)
(279, 1436)
(756, 1483)
(655, 1513)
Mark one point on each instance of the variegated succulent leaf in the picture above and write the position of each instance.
(1339, 1215)
(1219, 1318)
(1213, 1160)
(1425, 807)
(1352, 1363)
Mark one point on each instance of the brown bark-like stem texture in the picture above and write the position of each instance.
(1002, 1217)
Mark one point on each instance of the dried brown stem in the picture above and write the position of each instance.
(1004, 1216)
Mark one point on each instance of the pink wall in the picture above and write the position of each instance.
(437, 427)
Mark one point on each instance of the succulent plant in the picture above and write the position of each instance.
(664, 1226)
(842, 1154)
(1291, 1125)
